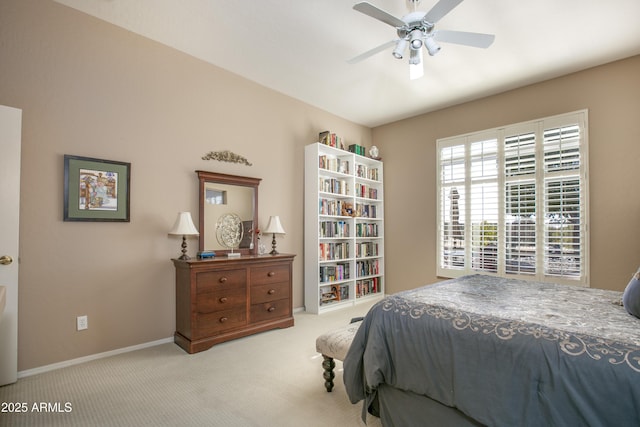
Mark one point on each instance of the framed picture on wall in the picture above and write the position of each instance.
(96, 189)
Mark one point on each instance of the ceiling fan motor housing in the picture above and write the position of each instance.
(414, 21)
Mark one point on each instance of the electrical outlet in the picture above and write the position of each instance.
(82, 323)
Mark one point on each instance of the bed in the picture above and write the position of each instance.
(481, 350)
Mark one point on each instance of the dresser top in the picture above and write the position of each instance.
(243, 259)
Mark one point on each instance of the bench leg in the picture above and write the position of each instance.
(328, 364)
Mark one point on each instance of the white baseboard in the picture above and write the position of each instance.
(66, 363)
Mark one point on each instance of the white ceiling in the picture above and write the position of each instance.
(300, 48)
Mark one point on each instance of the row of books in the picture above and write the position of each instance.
(369, 267)
(333, 273)
(334, 251)
(333, 293)
(364, 229)
(366, 191)
(334, 229)
(363, 171)
(366, 249)
(366, 211)
(367, 287)
(333, 164)
(335, 186)
(334, 207)
(357, 149)
(331, 207)
(340, 292)
(331, 139)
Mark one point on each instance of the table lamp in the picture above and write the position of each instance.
(275, 227)
(184, 226)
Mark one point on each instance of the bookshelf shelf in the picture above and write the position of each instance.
(344, 254)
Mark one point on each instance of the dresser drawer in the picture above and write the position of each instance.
(222, 299)
(219, 321)
(269, 292)
(270, 310)
(270, 274)
(212, 281)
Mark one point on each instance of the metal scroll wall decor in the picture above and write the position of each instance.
(226, 156)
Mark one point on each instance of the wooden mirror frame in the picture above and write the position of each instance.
(220, 178)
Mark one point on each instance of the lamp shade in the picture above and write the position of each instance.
(184, 225)
(274, 226)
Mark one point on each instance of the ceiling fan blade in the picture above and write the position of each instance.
(372, 51)
(464, 38)
(379, 14)
(440, 9)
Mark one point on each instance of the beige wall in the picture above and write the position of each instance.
(91, 89)
(611, 93)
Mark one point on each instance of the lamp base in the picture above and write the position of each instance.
(273, 246)
(234, 255)
(184, 256)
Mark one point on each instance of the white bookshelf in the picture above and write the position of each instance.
(343, 254)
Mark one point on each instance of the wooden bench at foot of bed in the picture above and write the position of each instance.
(334, 345)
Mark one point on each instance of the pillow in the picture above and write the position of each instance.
(631, 295)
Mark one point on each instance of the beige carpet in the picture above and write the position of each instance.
(270, 379)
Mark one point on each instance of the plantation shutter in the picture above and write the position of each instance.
(564, 227)
(452, 204)
(520, 203)
(513, 201)
(483, 203)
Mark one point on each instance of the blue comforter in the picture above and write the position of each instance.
(504, 352)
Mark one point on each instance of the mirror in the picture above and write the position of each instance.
(222, 194)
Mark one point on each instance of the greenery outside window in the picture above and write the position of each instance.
(513, 201)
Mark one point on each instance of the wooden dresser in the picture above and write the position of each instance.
(223, 298)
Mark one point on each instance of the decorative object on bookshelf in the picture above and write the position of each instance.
(229, 232)
(274, 227)
(344, 228)
(374, 153)
(184, 226)
(226, 156)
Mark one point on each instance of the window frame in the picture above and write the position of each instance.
(538, 176)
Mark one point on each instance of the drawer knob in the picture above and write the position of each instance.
(271, 309)
(271, 273)
(223, 279)
(271, 291)
(223, 319)
(223, 300)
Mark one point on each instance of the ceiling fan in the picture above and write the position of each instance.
(417, 29)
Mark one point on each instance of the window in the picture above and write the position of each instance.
(512, 201)
(215, 197)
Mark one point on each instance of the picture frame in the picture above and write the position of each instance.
(96, 189)
(247, 235)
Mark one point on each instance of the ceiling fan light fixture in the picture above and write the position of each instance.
(415, 58)
(432, 46)
(416, 69)
(398, 52)
(416, 39)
